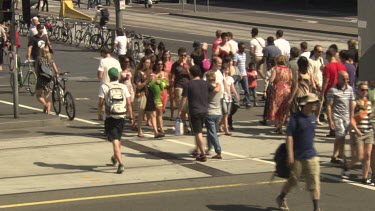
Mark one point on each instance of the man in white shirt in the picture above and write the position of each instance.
(282, 44)
(233, 44)
(304, 52)
(120, 43)
(256, 50)
(106, 63)
(239, 60)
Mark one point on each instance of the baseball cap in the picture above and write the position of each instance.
(113, 72)
(99, 6)
(196, 44)
(39, 26)
(309, 98)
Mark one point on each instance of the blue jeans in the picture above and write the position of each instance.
(212, 122)
(245, 86)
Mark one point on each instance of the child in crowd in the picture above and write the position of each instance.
(252, 77)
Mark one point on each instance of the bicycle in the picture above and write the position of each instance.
(61, 97)
(103, 38)
(30, 77)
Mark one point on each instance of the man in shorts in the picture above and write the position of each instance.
(114, 124)
(340, 99)
(302, 157)
(196, 92)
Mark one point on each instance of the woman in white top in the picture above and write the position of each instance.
(227, 100)
(120, 43)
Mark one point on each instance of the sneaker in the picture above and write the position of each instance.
(201, 158)
(195, 154)
(120, 169)
(114, 161)
(367, 182)
(282, 204)
(319, 123)
(336, 161)
(218, 156)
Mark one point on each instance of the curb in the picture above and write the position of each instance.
(264, 25)
(16, 124)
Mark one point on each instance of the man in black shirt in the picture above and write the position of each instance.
(35, 43)
(196, 92)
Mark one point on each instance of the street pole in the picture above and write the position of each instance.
(118, 13)
(15, 67)
(208, 5)
(195, 5)
(183, 5)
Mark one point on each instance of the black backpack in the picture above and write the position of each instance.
(281, 160)
(105, 14)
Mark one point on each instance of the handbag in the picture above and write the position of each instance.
(45, 71)
(206, 63)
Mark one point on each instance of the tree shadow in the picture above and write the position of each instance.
(92, 168)
(239, 207)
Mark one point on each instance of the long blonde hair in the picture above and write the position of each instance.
(44, 53)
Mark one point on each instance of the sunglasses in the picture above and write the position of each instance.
(183, 55)
(364, 90)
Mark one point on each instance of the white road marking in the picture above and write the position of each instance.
(302, 16)
(83, 98)
(307, 21)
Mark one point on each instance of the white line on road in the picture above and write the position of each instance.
(307, 21)
(302, 16)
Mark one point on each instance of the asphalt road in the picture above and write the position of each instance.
(219, 190)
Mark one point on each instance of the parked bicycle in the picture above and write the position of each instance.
(26, 76)
(61, 97)
(102, 39)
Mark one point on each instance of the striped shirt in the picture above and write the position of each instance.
(240, 59)
(365, 125)
(341, 101)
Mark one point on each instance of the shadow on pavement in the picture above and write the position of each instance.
(71, 167)
(238, 207)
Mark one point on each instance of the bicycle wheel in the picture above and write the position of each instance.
(64, 34)
(77, 37)
(56, 99)
(86, 40)
(96, 42)
(31, 82)
(70, 105)
(70, 37)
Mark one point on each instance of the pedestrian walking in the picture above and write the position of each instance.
(37, 42)
(252, 77)
(239, 60)
(120, 44)
(213, 118)
(340, 99)
(361, 134)
(45, 3)
(302, 156)
(45, 67)
(256, 51)
(196, 93)
(217, 41)
(281, 77)
(282, 44)
(114, 98)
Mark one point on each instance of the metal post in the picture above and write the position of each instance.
(208, 5)
(195, 5)
(118, 14)
(15, 69)
(183, 5)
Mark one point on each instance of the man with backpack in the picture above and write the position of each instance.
(103, 15)
(301, 154)
(114, 98)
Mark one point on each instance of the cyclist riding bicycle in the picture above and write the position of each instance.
(103, 15)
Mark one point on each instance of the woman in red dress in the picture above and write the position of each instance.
(281, 79)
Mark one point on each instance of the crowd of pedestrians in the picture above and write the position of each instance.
(301, 88)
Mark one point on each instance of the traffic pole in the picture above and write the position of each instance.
(14, 67)
(195, 5)
(208, 5)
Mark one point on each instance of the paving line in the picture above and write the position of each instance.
(137, 194)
